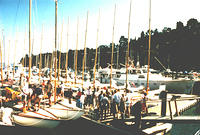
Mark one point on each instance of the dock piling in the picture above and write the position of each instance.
(138, 110)
(170, 109)
(176, 107)
(163, 97)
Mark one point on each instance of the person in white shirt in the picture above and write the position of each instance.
(26, 95)
(82, 100)
(88, 96)
(116, 100)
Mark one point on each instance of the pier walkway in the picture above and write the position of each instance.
(153, 122)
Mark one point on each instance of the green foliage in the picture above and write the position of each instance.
(177, 49)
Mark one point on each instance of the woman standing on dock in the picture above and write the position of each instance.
(49, 91)
(127, 103)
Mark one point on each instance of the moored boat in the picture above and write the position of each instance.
(40, 119)
(65, 111)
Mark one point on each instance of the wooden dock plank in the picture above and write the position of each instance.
(181, 104)
(176, 119)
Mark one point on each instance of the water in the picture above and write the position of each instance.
(76, 127)
(187, 129)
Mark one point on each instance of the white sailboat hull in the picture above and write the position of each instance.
(65, 113)
(40, 119)
(35, 122)
(177, 86)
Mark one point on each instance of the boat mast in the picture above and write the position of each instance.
(149, 46)
(45, 60)
(66, 64)
(112, 48)
(55, 68)
(9, 58)
(1, 63)
(95, 62)
(29, 75)
(60, 52)
(14, 58)
(127, 53)
(51, 65)
(99, 57)
(84, 57)
(117, 56)
(40, 65)
(76, 53)
(24, 53)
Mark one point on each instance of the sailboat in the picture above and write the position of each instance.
(61, 109)
(40, 118)
(65, 111)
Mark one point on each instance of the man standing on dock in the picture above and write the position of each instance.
(116, 100)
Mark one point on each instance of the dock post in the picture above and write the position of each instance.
(176, 107)
(138, 111)
(170, 110)
(163, 97)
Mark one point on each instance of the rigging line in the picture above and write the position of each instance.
(36, 10)
(16, 13)
(76, 53)
(96, 51)
(113, 32)
(67, 51)
(34, 29)
(84, 57)
(34, 14)
(149, 49)
(60, 51)
(128, 47)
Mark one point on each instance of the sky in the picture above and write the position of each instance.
(14, 20)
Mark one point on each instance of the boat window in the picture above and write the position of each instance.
(118, 76)
(138, 72)
(141, 76)
(155, 72)
(144, 71)
(132, 71)
(120, 84)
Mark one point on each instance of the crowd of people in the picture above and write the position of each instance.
(31, 94)
(104, 101)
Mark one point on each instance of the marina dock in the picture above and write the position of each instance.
(153, 122)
